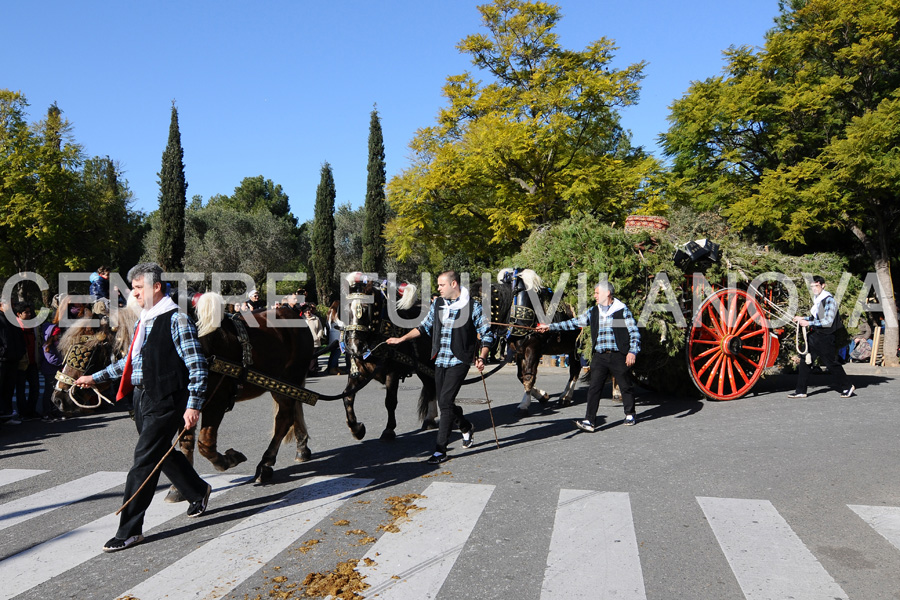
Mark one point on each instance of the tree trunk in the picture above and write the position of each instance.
(889, 306)
(880, 252)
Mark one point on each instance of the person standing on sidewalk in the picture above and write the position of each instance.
(12, 349)
(616, 342)
(823, 322)
(167, 370)
(452, 322)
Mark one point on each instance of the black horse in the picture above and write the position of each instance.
(368, 326)
(512, 309)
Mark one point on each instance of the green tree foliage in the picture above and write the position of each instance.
(800, 136)
(58, 211)
(376, 209)
(257, 194)
(322, 256)
(349, 248)
(172, 201)
(539, 140)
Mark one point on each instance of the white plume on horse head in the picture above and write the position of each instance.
(530, 279)
(210, 312)
(123, 321)
(408, 298)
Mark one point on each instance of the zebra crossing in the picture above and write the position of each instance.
(594, 557)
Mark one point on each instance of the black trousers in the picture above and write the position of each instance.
(602, 364)
(157, 423)
(821, 346)
(8, 371)
(448, 381)
(27, 401)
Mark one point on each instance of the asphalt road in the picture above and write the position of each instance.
(677, 484)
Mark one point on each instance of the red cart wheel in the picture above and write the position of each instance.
(728, 345)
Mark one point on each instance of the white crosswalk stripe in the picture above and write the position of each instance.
(13, 513)
(216, 568)
(54, 557)
(592, 552)
(414, 562)
(768, 559)
(8, 476)
(883, 519)
(595, 531)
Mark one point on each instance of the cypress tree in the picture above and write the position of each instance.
(322, 257)
(172, 201)
(375, 207)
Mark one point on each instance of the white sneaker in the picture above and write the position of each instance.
(848, 393)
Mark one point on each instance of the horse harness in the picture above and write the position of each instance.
(382, 328)
(80, 356)
(243, 374)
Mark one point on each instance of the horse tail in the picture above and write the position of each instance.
(210, 312)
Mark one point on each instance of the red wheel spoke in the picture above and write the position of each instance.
(706, 353)
(741, 373)
(706, 342)
(754, 349)
(753, 334)
(713, 372)
(725, 360)
(755, 365)
(740, 318)
(707, 364)
(716, 324)
(716, 334)
(732, 306)
(731, 373)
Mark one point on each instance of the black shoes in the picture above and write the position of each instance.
(630, 420)
(796, 395)
(198, 508)
(116, 544)
(437, 458)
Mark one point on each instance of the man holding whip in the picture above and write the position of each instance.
(167, 370)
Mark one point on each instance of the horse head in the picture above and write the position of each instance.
(86, 350)
(368, 318)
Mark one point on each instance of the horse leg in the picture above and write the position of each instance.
(356, 428)
(391, 383)
(302, 433)
(522, 408)
(187, 448)
(284, 421)
(574, 372)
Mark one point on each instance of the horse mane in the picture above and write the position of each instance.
(531, 280)
(408, 299)
(210, 312)
(72, 335)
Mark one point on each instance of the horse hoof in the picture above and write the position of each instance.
(303, 455)
(544, 400)
(360, 431)
(521, 413)
(263, 474)
(174, 496)
(388, 435)
(234, 458)
(429, 424)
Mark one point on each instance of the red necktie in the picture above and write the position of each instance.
(125, 385)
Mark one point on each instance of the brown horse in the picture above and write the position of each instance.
(87, 349)
(280, 346)
(512, 302)
(368, 325)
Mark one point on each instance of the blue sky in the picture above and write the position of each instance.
(276, 88)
